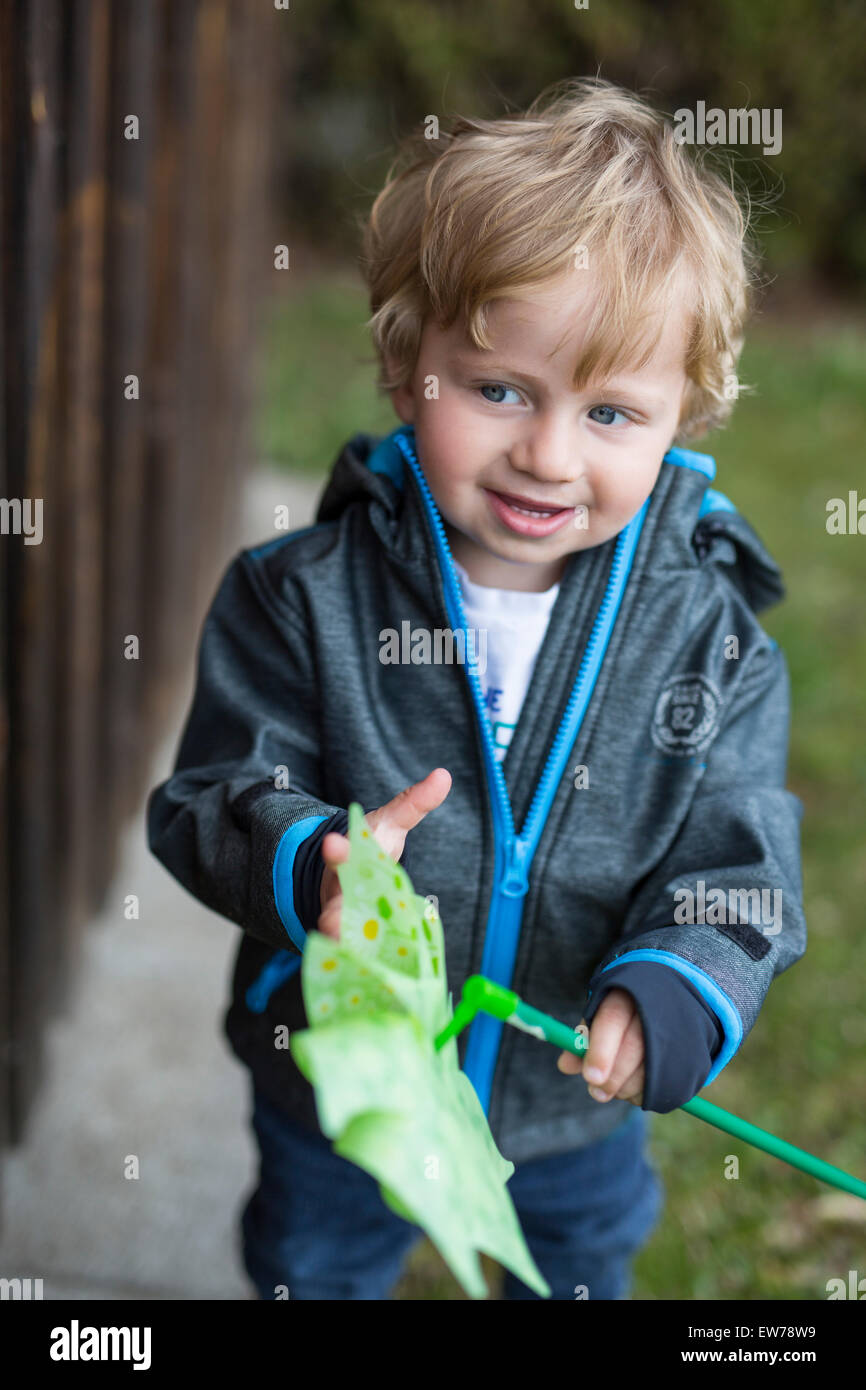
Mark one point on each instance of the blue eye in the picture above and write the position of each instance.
(608, 412)
(497, 386)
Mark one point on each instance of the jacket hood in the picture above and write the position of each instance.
(702, 525)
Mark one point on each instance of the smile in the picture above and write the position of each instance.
(525, 520)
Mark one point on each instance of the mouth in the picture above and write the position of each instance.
(526, 516)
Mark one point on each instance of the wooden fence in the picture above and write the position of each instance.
(135, 215)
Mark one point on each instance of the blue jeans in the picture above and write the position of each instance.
(317, 1226)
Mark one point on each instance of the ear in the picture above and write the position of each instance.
(403, 401)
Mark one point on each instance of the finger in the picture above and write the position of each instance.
(335, 848)
(629, 1057)
(408, 807)
(329, 918)
(606, 1033)
(569, 1064)
(330, 887)
(632, 1088)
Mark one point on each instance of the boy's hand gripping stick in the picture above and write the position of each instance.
(481, 994)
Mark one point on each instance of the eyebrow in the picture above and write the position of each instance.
(611, 387)
(467, 360)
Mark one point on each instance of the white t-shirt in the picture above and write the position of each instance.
(507, 629)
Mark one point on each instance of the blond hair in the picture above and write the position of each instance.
(588, 172)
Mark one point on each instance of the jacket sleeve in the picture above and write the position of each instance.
(724, 907)
(682, 1034)
(244, 793)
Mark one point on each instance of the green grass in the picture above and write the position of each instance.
(795, 442)
(318, 376)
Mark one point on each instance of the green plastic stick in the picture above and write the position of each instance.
(481, 994)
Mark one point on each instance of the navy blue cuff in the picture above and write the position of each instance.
(308, 868)
(682, 1035)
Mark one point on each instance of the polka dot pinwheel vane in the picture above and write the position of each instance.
(388, 1097)
(381, 1054)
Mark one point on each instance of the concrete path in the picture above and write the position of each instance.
(138, 1066)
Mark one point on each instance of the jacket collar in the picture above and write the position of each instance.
(693, 523)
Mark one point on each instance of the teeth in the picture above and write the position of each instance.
(528, 512)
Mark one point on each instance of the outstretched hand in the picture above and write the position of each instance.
(390, 824)
(613, 1064)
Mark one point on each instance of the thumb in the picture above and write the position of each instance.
(571, 1063)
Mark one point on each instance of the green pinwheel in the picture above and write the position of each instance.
(390, 1100)
(382, 1056)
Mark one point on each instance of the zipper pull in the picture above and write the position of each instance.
(516, 882)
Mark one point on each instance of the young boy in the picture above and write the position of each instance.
(600, 806)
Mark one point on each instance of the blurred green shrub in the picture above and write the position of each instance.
(359, 73)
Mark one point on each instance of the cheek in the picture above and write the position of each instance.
(449, 441)
(624, 489)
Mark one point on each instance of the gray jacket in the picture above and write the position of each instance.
(639, 816)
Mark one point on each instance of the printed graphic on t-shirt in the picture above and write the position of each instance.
(502, 735)
(502, 730)
(514, 623)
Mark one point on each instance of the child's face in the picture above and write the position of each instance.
(509, 420)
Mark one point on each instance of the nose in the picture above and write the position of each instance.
(549, 450)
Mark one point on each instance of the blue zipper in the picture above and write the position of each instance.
(514, 853)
